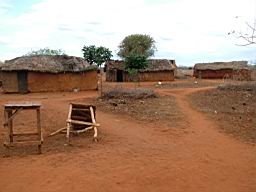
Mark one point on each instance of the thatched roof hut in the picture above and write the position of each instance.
(1, 64)
(48, 63)
(221, 69)
(222, 65)
(157, 70)
(48, 73)
(153, 65)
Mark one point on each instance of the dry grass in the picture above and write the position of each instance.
(233, 107)
(141, 104)
(119, 93)
(239, 86)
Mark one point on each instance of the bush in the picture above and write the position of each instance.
(248, 86)
(129, 93)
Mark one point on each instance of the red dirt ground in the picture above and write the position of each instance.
(132, 155)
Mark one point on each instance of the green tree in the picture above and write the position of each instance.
(138, 44)
(133, 63)
(96, 55)
(45, 51)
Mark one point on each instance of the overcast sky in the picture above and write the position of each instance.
(189, 31)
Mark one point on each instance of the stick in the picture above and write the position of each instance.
(59, 130)
(82, 122)
(83, 130)
(12, 116)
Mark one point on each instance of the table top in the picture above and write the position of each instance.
(22, 105)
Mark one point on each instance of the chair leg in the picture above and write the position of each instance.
(95, 136)
(39, 149)
(7, 150)
(95, 128)
(68, 133)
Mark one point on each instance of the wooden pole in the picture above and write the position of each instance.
(94, 127)
(101, 86)
(39, 130)
(69, 124)
(10, 125)
(7, 133)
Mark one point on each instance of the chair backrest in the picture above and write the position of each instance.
(81, 112)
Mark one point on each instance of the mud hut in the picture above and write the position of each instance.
(1, 63)
(47, 73)
(157, 70)
(219, 70)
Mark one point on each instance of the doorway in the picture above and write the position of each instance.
(119, 75)
(22, 77)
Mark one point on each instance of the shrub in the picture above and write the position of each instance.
(129, 93)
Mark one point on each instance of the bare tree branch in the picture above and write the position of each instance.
(249, 38)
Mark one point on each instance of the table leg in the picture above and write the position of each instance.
(10, 125)
(7, 134)
(39, 130)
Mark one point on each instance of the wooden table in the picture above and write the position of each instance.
(11, 110)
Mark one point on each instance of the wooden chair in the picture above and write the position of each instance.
(81, 118)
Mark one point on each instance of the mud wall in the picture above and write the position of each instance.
(219, 74)
(254, 75)
(111, 76)
(9, 82)
(41, 82)
(157, 76)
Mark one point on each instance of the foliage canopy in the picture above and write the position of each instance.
(135, 62)
(138, 44)
(46, 51)
(96, 55)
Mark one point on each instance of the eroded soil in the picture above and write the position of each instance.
(232, 107)
(131, 155)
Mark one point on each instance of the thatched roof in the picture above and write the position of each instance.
(222, 65)
(48, 63)
(1, 64)
(153, 65)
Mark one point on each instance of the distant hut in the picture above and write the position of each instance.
(1, 81)
(47, 73)
(253, 68)
(157, 70)
(219, 70)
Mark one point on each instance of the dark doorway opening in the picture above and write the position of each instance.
(22, 81)
(119, 76)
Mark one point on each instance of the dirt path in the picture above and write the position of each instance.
(133, 156)
(219, 161)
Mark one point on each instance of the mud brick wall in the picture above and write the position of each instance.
(219, 74)
(151, 76)
(40, 82)
(9, 81)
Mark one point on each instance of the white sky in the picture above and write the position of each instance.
(185, 30)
